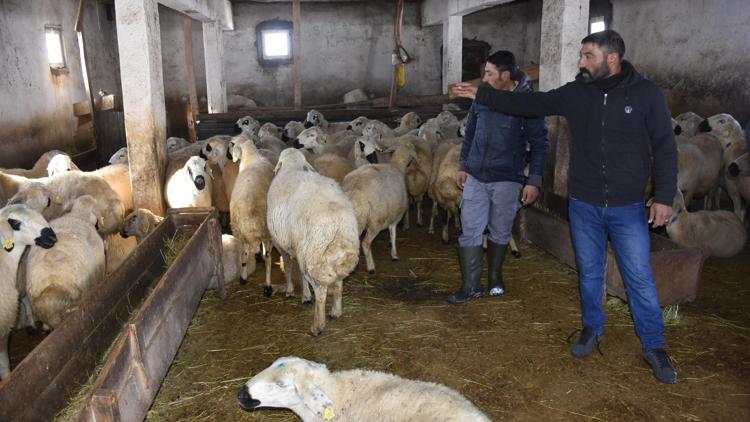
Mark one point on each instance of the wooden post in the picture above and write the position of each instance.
(297, 52)
(192, 103)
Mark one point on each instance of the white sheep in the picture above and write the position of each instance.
(191, 185)
(248, 208)
(446, 192)
(74, 184)
(57, 278)
(366, 151)
(378, 194)
(311, 218)
(38, 170)
(291, 130)
(218, 153)
(175, 143)
(699, 167)
(269, 129)
(40, 198)
(314, 393)
(316, 118)
(358, 125)
(20, 226)
(247, 125)
(718, 233)
(355, 96)
(688, 123)
(119, 157)
(60, 163)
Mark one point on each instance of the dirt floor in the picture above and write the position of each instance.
(508, 355)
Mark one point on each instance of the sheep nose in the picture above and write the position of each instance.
(308, 124)
(734, 170)
(372, 158)
(284, 137)
(704, 126)
(47, 239)
(124, 234)
(229, 155)
(247, 402)
(49, 233)
(349, 127)
(297, 144)
(677, 130)
(237, 128)
(202, 155)
(200, 182)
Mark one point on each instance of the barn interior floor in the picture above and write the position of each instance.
(508, 355)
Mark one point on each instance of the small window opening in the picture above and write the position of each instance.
(597, 25)
(274, 41)
(55, 53)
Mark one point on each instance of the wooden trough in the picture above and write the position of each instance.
(42, 384)
(676, 269)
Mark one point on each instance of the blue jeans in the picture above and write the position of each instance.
(627, 228)
(483, 205)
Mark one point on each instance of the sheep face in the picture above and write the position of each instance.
(120, 157)
(215, 152)
(357, 125)
(311, 139)
(289, 382)
(367, 148)
(21, 225)
(446, 118)
(291, 130)
(174, 143)
(137, 223)
(373, 129)
(269, 129)
(314, 118)
(198, 170)
(247, 125)
(39, 198)
(60, 163)
(723, 126)
(410, 120)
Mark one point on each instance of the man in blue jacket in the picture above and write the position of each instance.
(619, 120)
(491, 174)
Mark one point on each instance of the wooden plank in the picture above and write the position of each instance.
(192, 105)
(297, 63)
(42, 383)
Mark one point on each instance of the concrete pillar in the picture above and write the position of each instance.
(452, 47)
(213, 50)
(139, 45)
(564, 24)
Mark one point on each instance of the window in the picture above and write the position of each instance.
(597, 25)
(274, 41)
(55, 53)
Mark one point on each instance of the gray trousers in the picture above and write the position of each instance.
(492, 205)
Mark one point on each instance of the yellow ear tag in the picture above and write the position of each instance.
(328, 414)
(58, 200)
(7, 244)
(726, 133)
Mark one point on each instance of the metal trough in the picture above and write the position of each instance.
(45, 380)
(676, 269)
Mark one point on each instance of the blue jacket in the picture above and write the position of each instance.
(494, 148)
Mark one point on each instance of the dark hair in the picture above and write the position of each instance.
(504, 60)
(608, 40)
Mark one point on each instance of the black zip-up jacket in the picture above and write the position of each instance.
(615, 133)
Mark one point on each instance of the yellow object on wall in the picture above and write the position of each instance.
(400, 75)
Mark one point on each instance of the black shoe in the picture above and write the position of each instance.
(495, 257)
(661, 365)
(585, 343)
(470, 258)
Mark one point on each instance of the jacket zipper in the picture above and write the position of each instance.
(604, 160)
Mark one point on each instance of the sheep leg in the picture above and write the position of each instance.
(247, 257)
(514, 247)
(405, 219)
(306, 297)
(4, 359)
(420, 221)
(446, 238)
(336, 309)
(288, 268)
(267, 289)
(431, 229)
(319, 319)
(30, 321)
(367, 250)
(394, 253)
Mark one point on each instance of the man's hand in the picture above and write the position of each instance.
(463, 89)
(461, 179)
(529, 194)
(659, 215)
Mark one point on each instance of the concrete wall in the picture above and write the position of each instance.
(696, 50)
(344, 46)
(36, 106)
(515, 26)
(100, 43)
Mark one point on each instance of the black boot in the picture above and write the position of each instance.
(495, 257)
(470, 258)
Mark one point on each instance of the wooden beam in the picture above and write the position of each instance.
(296, 40)
(79, 16)
(192, 103)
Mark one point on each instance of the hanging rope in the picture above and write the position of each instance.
(402, 55)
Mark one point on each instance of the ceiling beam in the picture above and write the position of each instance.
(435, 12)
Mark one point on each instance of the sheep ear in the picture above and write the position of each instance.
(209, 170)
(316, 400)
(14, 224)
(145, 225)
(308, 167)
(277, 168)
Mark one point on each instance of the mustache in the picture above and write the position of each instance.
(583, 71)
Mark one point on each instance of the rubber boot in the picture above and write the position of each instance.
(470, 258)
(495, 257)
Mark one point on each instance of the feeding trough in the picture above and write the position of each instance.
(45, 380)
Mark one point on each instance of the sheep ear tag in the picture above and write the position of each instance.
(328, 414)
(8, 245)
(58, 200)
(725, 134)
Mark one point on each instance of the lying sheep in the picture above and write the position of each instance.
(38, 170)
(314, 393)
(311, 218)
(248, 208)
(688, 123)
(119, 157)
(378, 194)
(20, 226)
(191, 185)
(717, 233)
(57, 278)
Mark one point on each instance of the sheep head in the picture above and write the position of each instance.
(59, 164)
(292, 159)
(724, 127)
(174, 143)
(291, 130)
(215, 152)
(358, 124)
(269, 129)
(198, 170)
(409, 121)
(292, 383)
(120, 157)
(247, 125)
(312, 139)
(39, 198)
(315, 118)
(21, 225)
(139, 223)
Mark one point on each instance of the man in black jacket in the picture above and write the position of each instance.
(619, 120)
